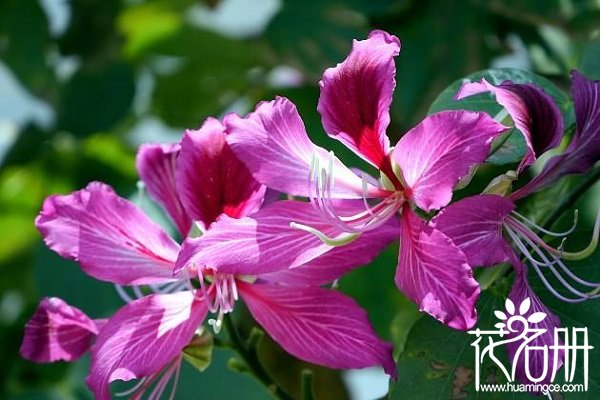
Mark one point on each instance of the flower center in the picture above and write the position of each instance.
(372, 216)
(219, 291)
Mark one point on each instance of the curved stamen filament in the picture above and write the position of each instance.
(341, 240)
(133, 389)
(554, 271)
(123, 293)
(321, 181)
(166, 375)
(222, 291)
(560, 252)
(518, 237)
(546, 231)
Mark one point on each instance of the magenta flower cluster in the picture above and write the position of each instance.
(222, 184)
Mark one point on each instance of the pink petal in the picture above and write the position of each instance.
(584, 150)
(475, 225)
(437, 153)
(156, 166)
(339, 260)
(519, 292)
(142, 338)
(211, 180)
(434, 273)
(273, 143)
(57, 331)
(356, 96)
(110, 237)
(318, 325)
(261, 243)
(533, 111)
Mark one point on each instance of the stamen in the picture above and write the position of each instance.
(341, 240)
(547, 232)
(546, 263)
(590, 247)
(226, 294)
(138, 293)
(172, 287)
(212, 306)
(321, 181)
(560, 252)
(123, 294)
(557, 275)
(217, 323)
(133, 389)
(233, 287)
(175, 380)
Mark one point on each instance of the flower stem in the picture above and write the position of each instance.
(250, 356)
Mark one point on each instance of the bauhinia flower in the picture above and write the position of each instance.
(489, 230)
(420, 171)
(198, 182)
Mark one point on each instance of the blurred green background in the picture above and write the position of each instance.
(84, 82)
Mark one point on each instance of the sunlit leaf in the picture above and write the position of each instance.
(146, 24)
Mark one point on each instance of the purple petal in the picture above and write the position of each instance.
(156, 166)
(142, 338)
(57, 332)
(339, 260)
(273, 143)
(584, 149)
(356, 96)
(110, 237)
(533, 111)
(262, 243)
(475, 225)
(434, 273)
(211, 180)
(437, 153)
(519, 292)
(318, 325)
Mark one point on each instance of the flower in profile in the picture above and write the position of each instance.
(489, 230)
(420, 171)
(58, 332)
(198, 182)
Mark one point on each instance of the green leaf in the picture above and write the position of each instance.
(439, 363)
(485, 102)
(427, 63)
(24, 41)
(511, 150)
(146, 24)
(315, 34)
(199, 351)
(91, 32)
(95, 100)
(590, 60)
(215, 74)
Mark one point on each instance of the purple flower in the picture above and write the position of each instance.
(421, 171)
(488, 229)
(201, 184)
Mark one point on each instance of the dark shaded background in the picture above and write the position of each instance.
(84, 82)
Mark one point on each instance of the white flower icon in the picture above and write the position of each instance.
(524, 307)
